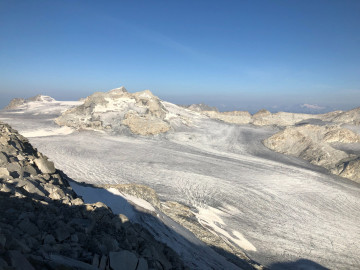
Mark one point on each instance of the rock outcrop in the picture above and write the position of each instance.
(314, 144)
(45, 225)
(142, 112)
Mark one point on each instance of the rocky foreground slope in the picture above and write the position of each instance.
(315, 144)
(45, 225)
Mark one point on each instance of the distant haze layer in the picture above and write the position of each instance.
(223, 102)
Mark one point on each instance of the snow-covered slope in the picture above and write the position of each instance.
(39, 104)
(42, 110)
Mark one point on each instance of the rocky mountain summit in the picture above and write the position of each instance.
(315, 144)
(45, 225)
(17, 102)
(141, 112)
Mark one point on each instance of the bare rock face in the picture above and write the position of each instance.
(314, 143)
(141, 112)
(349, 168)
(145, 125)
(45, 225)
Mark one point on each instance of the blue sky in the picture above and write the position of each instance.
(231, 54)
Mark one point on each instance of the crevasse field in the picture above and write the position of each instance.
(278, 209)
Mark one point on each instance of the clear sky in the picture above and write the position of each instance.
(232, 54)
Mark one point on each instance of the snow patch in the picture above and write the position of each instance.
(211, 219)
(48, 132)
(135, 200)
(243, 242)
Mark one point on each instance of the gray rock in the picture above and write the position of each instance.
(44, 165)
(3, 158)
(18, 261)
(20, 182)
(85, 225)
(123, 218)
(3, 264)
(123, 260)
(2, 240)
(28, 227)
(16, 244)
(31, 188)
(96, 260)
(110, 243)
(20, 157)
(142, 265)
(7, 188)
(62, 233)
(57, 194)
(77, 201)
(103, 262)
(159, 256)
(15, 169)
(4, 172)
(29, 169)
(49, 239)
(74, 238)
(72, 263)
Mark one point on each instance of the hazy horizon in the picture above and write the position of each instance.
(221, 102)
(246, 55)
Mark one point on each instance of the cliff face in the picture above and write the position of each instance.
(45, 225)
(141, 112)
